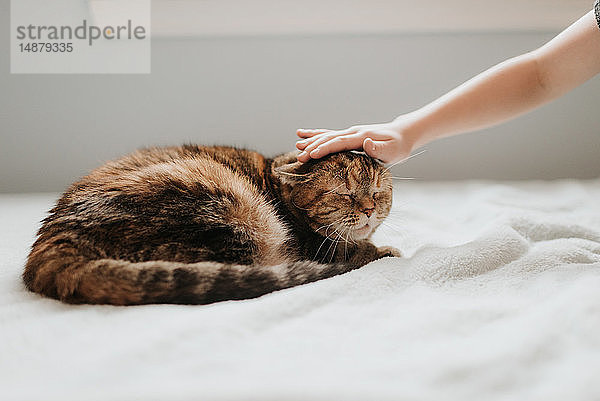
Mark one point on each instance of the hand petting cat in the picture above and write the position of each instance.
(388, 142)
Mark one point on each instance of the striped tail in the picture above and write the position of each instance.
(109, 281)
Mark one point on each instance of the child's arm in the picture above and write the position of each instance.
(503, 92)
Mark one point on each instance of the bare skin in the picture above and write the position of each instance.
(499, 94)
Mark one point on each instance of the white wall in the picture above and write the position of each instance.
(256, 90)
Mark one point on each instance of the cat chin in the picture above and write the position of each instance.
(362, 232)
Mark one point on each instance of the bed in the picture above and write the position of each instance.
(497, 297)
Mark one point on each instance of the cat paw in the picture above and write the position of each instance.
(388, 252)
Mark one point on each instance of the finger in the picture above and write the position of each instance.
(307, 133)
(382, 150)
(327, 143)
(338, 144)
(308, 141)
(303, 157)
(318, 142)
(305, 142)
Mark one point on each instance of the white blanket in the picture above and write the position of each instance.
(497, 297)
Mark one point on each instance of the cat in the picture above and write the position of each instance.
(201, 224)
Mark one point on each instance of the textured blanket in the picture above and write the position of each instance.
(497, 298)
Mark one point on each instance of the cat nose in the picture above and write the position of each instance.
(368, 211)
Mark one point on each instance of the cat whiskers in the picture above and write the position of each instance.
(328, 249)
(327, 226)
(342, 235)
(339, 237)
(349, 228)
(346, 245)
(393, 227)
(405, 159)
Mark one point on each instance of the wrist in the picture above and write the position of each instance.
(410, 129)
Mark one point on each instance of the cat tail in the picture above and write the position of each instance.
(119, 282)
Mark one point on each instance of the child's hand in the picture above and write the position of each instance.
(388, 142)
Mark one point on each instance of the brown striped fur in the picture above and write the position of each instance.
(198, 224)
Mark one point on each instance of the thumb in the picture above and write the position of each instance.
(375, 149)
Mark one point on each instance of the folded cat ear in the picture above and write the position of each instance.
(290, 173)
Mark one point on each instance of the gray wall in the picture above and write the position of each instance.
(255, 91)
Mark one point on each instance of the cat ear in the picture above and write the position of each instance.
(287, 169)
(290, 173)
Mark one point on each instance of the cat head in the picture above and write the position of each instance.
(344, 196)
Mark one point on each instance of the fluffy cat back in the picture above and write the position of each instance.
(141, 219)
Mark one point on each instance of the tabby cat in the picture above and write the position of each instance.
(199, 224)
